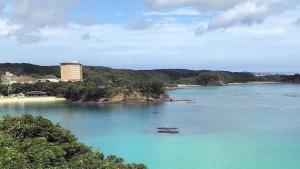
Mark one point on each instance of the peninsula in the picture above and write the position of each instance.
(107, 85)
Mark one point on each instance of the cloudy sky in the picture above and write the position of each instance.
(238, 35)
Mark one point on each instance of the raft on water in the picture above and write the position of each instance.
(170, 130)
(167, 128)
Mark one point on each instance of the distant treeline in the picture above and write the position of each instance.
(123, 77)
(29, 69)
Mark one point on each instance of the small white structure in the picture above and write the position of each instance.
(21, 95)
(8, 74)
(8, 78)
(49, 78)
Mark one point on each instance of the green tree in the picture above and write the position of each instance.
(208, 79)
(29, 142)
(3, 90)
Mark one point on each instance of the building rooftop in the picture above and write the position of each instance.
(71, 63)
(36, 92)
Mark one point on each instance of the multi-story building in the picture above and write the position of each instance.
(71, 71)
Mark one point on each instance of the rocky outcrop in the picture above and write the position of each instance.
(134, 97)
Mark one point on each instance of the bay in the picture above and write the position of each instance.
(255, 126)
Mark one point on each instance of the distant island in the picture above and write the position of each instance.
(107, 85)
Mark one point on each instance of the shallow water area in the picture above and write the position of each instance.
(254, 126)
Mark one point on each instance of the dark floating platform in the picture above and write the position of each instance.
(166, 128)
(171, 130)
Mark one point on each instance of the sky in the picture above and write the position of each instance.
(235, 35)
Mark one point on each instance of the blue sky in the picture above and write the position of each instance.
(237, 35)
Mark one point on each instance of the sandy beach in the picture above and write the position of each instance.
(254, 83)
(179, 86)
(29, 99)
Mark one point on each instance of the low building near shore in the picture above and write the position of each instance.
(36, 94)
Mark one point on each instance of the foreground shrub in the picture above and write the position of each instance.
(29, 142)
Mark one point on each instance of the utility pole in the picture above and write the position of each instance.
(8, 89)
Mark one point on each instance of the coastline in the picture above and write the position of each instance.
(6, 100)
(179, 86)
(123, 102)
(254, 83)
(182, 86)
(135, 101)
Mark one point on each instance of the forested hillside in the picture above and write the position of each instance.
(29, 69)
(120, 77)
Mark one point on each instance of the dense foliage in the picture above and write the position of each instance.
(208, 78)
(83, 91)
(3, 89)
(124, 77)
(282, 78)
(28, 142)
(128, 79)
(29, 69)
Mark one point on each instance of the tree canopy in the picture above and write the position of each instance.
(28, 142)
(127, 79)
(86, 91)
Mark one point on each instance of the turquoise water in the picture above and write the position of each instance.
(230, 127)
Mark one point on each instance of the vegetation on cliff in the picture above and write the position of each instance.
(34, 142)
(125, 77)
(104, 83)
(87, 92)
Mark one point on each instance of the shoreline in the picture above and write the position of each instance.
(122, 102)
(182, 86)
(134, 101)
(255, 83)
(6, 100)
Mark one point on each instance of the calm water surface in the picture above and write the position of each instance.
(231, 127)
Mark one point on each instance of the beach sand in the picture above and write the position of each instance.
(255, 83)
(29, 99)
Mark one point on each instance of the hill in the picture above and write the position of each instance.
(29, 69)
(120, 77)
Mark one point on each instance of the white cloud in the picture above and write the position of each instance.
(86, 36)
(297, 22)
(187, 11)
(201, 4)
(33, 15)
(2, 5)
(169, 39)
(27, 35)
(140, 24)
(172, 43)
(231, 12)
(247, 14)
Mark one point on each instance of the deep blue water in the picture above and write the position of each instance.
(230, 127)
